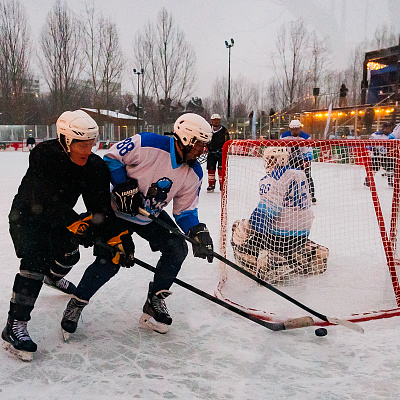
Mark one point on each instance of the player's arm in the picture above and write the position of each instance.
(186, 216)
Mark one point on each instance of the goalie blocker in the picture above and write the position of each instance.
(270, 266)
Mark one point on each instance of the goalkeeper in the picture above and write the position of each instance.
(274, 242)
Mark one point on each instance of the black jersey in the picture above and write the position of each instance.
(218, 139)
(52, 185)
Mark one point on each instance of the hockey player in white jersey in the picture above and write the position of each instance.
(148, 171)
(273, 242)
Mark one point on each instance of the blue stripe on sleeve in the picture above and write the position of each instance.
(187, 219)
(150, 139)
(117, 169)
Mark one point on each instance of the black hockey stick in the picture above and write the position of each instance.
(331, 320)
(274, 326)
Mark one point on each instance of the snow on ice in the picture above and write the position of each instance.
(209, 352)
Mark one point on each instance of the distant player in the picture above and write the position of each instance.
(379, 154)
(149, 171)
(214, 158)
(273, 243)
(300, 157)
(45, 229)
(30, 142)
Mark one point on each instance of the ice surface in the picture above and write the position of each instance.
(209, 352)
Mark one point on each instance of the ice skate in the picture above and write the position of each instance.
(17, 340)
(69, 322)
(210, 188)
(155, 313)
(62, 285)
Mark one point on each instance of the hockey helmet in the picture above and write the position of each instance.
(275, 157)
(295, 123)
(75, 125)
(189, 128)
(215, 116)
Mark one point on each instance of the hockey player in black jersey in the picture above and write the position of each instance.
(45, 229)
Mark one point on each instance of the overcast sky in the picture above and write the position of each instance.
(253, 24)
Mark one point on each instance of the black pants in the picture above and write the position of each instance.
(310, 181)
(173, 252)
(42, 251)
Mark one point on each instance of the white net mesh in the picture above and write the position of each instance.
(336, 254)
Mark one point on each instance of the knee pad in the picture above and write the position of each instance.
(63, 263)
(69, 258)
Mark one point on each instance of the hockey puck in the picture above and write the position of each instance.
(321, 332)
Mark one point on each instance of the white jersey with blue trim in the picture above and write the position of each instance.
(307, 151)
(376, 151)
(285, 204)
(150, 158)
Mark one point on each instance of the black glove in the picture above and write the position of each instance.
(125, 249)
(127, 197)
(83, 230)
(204, 248)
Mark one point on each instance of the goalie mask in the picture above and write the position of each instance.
(275, 157)
(75, 125)
(192, 132)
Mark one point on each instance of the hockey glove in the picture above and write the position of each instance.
(125, 255)
(83, 230)
(127, 197)
(204, 246)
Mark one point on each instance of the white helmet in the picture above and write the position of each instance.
(275, 157)
(295, 123)
(215, 116)
(396, 132)
(75, 125)
(189, 128)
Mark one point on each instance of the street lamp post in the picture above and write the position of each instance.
(138, 73)
(228, 46)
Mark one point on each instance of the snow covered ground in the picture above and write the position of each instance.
(209, 352)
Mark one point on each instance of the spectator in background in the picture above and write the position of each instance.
(343, 96)
(219, 136)
(379, 154)
(300, 157)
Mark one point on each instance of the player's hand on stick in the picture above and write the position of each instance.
(125, 255)
(204, 246)
(127, 197)
(83, 230)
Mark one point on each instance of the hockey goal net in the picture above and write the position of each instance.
(349, 266)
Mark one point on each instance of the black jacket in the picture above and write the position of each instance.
(218, 140)
(52, 185)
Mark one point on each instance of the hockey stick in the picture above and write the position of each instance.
(331, 320)
(274, 326)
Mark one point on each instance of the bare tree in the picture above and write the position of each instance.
(168, 60)
(384, 36)
(14, 61)
(105, 59)
(62, 58)
(291, 47)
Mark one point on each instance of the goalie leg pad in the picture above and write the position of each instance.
(240, 232)
(312, 258)
(245, 260)
(273, 267)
